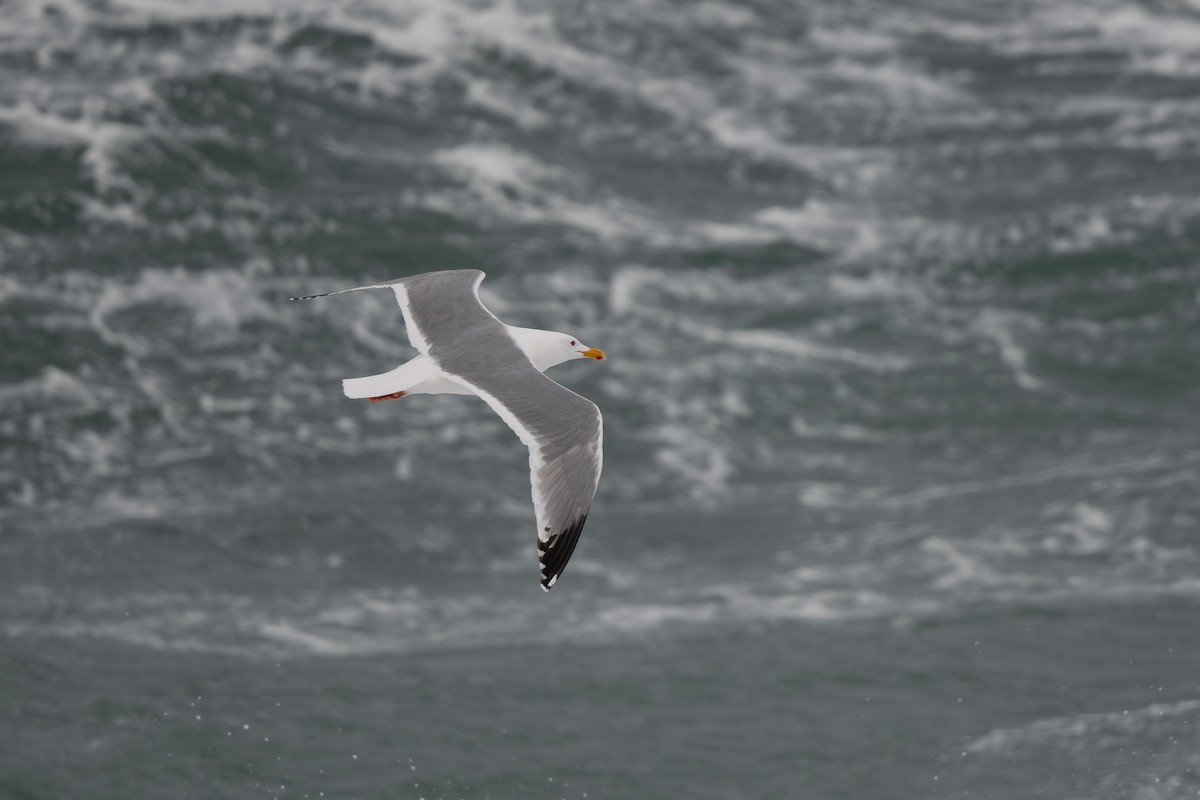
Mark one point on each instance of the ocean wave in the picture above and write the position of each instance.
(1084, 730)
(522, 189)
(434, 42)
(851, 281)
(380, 621)
(102, 142)
(401, 621)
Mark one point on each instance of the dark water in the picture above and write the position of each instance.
(902, 304)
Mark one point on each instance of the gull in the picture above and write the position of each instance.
(466, 349)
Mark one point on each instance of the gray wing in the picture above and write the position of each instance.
(563, 431)
(565, 434)
(437, 306)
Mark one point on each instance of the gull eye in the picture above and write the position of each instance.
(572, 343)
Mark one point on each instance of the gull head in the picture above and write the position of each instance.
(569, 347)
(549, 348)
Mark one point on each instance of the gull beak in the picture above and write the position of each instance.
(593, 352)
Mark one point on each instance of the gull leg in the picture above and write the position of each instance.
(392, 396)
(418, 376)
(392, 384)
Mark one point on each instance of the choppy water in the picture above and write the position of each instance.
(902, 304)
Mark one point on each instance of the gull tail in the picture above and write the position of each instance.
(395, 383)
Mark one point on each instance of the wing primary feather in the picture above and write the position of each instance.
(554, 554)
(383, 285)
(386, 285)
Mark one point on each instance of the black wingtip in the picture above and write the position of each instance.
(555, 552)
(310, 296)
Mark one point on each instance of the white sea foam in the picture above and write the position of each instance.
(400, 621)
(446, 34)
(856, 40)
(1089, 233)
(723, 15)
(640, 290)
(848, 433)
(791, 345)
(293, 638)
(446, 37)
(706, 470)
(998, 326)
(525, 190)
(1086, 532)
(960, 568)
(898, 83)
(495, 165)
(50, 382)
(637, 288)
(1074, 731)
(1071, 27)
(848, 234)
(493, 97)
(828, 226)
(113, 505)
(846, 168)
(697, 435)
(217, 300)
(874, 286)
(125, 214)
(102, 142)
(822, 495)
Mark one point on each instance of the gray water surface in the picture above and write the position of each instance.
(902, 308)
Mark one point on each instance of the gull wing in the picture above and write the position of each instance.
(437, 306)
(563, 431)
(565, 436)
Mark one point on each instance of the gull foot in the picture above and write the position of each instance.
(392, 396)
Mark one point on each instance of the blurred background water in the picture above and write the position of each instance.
(902, 455)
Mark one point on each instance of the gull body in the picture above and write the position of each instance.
(465, 349)
(421, 375)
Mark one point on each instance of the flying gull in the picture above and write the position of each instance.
(466, 349)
